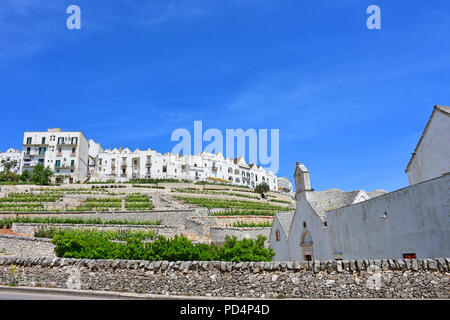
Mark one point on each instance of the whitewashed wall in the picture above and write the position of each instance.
(432, 158)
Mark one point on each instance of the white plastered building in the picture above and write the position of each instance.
(409, 223)
(64, 152)
(13, 157)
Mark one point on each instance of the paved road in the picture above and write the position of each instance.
(45, 296)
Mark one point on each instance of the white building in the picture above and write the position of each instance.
(284, 185)
(124, 164)
(73, 158)
(65, 153)
(11, 158)
(431, 157)
(408, 223)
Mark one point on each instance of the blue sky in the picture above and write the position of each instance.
(350, 103)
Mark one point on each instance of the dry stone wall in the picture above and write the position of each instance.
(319, 279)
(29, 229)
(25, 246)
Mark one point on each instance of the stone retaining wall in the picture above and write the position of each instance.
(24, 246)
(326, 279)
(218, 234)
(30, 228)
(167, 217)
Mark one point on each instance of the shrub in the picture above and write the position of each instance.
(97, 245)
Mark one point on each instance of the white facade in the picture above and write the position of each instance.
(431, 158)
(65, 153)
(333, 224)
(123, 165)
(13, 157)
(284, 185)
(73, 158)
(411, 222)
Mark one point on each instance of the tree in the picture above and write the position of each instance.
(25, 176)
(8, 165)
(41, 175)
(261, 188)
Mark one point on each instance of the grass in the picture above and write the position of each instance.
(6, 223)
(119, 235)
(215, 192)
(241, 224)
(245, 213)
(231, 204)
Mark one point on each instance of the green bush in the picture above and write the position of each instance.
(232, 204)
(7, 222)
(97, 245)
(241, 224)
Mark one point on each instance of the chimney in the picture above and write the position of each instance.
(301, 176)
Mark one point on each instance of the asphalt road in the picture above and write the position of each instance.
(45, 296)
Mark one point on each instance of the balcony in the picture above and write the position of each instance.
(123, 175)
(65, 167)
(35, 144)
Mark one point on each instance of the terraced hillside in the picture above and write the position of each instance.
(204, 213)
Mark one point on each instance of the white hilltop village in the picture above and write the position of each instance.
(74, 159)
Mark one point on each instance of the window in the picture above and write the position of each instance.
(28, 140)
(59, 150)
(72, 163)
(28, 150)
(308, 257)
(43, 140)
(74, 140)
(73, 150)
(164, 169)
(42, 150)
(58, 163)
(409, 256)
(60, 140)
(277, 235)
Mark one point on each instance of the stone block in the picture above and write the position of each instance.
(414, 265)
(352, 265)
(164, 265)
(401, 264)
(392, 264)
(432, 264)
(345, 265)
(316, 266)
(408, 263)
(442, 264)
(151, 265)
(339, 267)
(360, 265)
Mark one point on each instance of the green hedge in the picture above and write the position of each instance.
(7, 222)
(95, 245)
(234, 204)
(241, 224)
